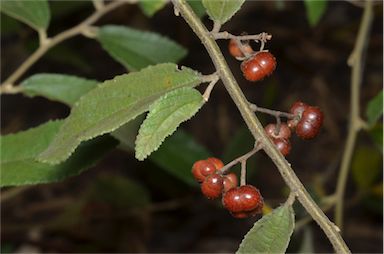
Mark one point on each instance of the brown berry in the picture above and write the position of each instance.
(217, 162)
(243, 201)
(258, 66)
(212, 187)
(230, 181)
(284, 131)
(235, 51)
(283, 145)
(310, 123)
(201, 169)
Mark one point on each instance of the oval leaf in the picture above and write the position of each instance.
(375, 108)
(315, 10)
(222, 10)
(366, 166)
(34, 13)
(58, 87)
(136, 49)
(150, 7)
(18, 164)
(271, 233)
(115, 102)
(164, 117)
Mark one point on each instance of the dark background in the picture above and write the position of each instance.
(69, 216)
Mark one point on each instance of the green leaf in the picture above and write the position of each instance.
(375, 108)
(165, 115)
(376, 134)
(222, 10)
(315, 10)
(18, 164)
(271, 233)
(366, 166)
(118, 191)
(198, 7)
(177, 155)
(34, 13)
(114, 103)
(58, 87)
(127, 133)
(137, 49)
(150, 7)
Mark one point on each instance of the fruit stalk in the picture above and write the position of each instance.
(256, 128)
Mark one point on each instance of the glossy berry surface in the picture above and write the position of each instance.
(258, 66)
(310, 123)
(283, 145)
(235, 51)
(230, 181)
(284, 131)
(201, 169)
(243, 201)
(297, 109)
(213, 185)
(217, 162)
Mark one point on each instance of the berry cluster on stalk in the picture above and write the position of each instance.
(241, 201)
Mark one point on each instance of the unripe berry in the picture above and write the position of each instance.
(258, 66)
(212, 187)
(217, 162)
(201, 169)
(310, 123)
(283, 145)
(235, 51)
(230, 181)
(243, 201)
(284, 131)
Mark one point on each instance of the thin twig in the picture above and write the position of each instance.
(257, 129)
(244, 157)
(50, 42)
(208, 90)
(216, 27)
(243, 175)
(271, 112)
(255, 37)
(356, 62)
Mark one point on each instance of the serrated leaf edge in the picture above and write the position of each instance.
(143, 156)
(41, 156)
(292, 214)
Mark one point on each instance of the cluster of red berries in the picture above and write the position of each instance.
(240, 201)
(257, 65)
(307, 122)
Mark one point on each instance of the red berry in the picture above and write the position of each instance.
(201, 169)
(284, 131)
(212, 187)
(283, 145)
(297, 109)
(258, 66)
(215, 161)
(243, 201)
(310, 123)
(230, 181)
(235, 51)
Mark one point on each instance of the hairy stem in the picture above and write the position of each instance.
(256, 128)
(47, 43)
(356, 62)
